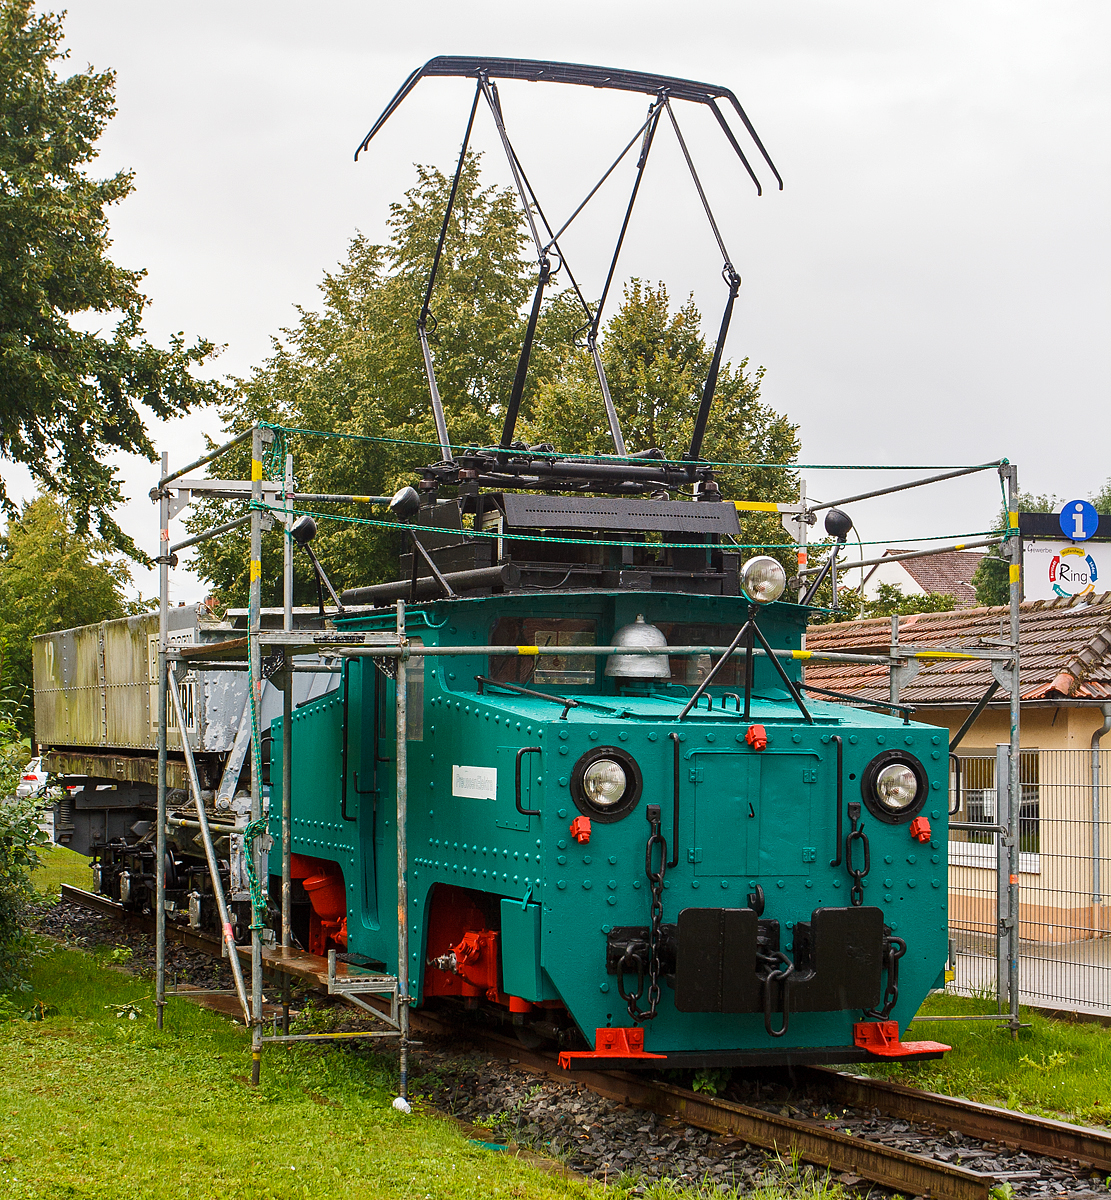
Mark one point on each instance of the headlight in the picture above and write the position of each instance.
(894, 786)
(606, 784)
(763, 579)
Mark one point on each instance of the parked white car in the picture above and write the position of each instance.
(32, 782)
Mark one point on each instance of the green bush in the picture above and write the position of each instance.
(21, 840)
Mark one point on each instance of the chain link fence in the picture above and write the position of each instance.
(1064, 831)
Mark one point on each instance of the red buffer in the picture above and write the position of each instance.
(610, 1043)
(881, 1038)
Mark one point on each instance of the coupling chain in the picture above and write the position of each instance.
(778, 968)
(857, 834)
(656, 842)
(893, 949)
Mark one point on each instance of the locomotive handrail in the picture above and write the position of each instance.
(525, 812)
(343, 749)
(566, 701)
(674, 860)
(904, 710)
(956, 808)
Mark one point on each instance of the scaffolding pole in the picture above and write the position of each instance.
(287, 735)
(1014, 789)
(160, 834)
(402, 705)
(227, 932)
(255, 683)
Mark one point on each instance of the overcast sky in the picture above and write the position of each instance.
(930, 287)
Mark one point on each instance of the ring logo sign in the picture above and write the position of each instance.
(1079, 521)
(1056, 567)
(1073, 572)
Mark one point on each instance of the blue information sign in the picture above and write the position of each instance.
(1079, 520)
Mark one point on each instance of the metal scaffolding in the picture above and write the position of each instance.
(275, 501)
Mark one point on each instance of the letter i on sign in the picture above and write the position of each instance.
(1078, 522)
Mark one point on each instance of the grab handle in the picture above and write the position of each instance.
(525, 812)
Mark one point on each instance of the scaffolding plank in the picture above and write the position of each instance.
(293, 961)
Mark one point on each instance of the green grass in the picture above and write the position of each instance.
(59, 866)
(98, 1106)
(1054, 1068)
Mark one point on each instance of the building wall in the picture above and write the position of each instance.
(894, 573)
(1056, 728)
(1059, 895)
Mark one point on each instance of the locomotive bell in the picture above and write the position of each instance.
(639, 666)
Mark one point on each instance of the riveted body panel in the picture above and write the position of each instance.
(750, 821)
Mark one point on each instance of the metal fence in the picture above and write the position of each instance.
(1064, 873)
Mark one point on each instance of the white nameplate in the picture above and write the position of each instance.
(475, 783)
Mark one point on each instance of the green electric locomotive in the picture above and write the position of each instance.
(663, 852)
(629, 828)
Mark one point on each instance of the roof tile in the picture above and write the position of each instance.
(948, 573)
(1064, 651)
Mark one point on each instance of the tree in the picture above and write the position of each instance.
(69, 396)
(21, 840)
(992, 576)
(354, 369)
(51, 577)
(656, 362)
(1102, 499)
(890, 602)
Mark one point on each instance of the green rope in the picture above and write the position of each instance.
(566, 541)
(273, 458)
(255, 830)
(555, 454)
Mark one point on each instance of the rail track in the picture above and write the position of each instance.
(810, 1140)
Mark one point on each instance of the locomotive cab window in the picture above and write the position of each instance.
(691, 670)
(414, 686)
(555, 669)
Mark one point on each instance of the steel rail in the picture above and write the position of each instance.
(787, 1137)
(1055, 1139)
(145, 921)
